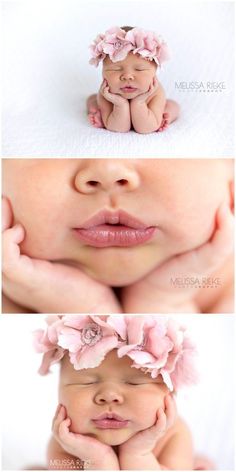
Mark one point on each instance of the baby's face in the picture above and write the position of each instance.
(116, 219)
(112, 387)
(130, 77)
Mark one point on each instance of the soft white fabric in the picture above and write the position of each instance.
(46, 77)
(29, 401)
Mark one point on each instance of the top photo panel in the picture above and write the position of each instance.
(118, 78)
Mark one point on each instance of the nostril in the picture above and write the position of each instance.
(122, 182)
(92, 183)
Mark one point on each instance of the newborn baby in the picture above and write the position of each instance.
(73, 229)
(130, 97)
(116, 408)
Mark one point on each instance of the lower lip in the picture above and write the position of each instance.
(110, 235)
(110, 424)
(128, 90)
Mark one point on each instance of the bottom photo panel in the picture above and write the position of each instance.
(118, 392)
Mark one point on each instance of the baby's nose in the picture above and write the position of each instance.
(127, 76)
(107, 175)
(107, 396)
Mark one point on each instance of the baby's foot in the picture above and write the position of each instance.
(95, 118)
(170, 114)
(165, 122)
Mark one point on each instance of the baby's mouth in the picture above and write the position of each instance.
(110, 421)
(128, 89)
(108, 229)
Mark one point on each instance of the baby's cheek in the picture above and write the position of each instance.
(76, 411)
(190, 231)
(149, 411)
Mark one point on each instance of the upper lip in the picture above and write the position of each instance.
(118, 217)
(110, 416)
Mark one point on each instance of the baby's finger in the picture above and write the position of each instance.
(160, 425)
(59, 416)
(7, 215)
(57, 412)
(221, 244)
(10, 247)
(170, 410)
(64, 434)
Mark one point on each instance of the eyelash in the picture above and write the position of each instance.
(119, 70)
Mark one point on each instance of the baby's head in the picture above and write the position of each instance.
(130, 59)
(115, 370)
(171, 205)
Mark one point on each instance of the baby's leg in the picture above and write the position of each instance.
(94, 114)
(170, 114)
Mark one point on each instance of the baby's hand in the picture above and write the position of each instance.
(111, 97)
(145, 441)
(44, 286)
(142, 98)
(158, 286)
(95, 454)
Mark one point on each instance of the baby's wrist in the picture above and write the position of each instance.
(136, 460)
(109, 462)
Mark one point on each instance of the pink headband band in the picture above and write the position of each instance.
(156, 345)
(117, 43)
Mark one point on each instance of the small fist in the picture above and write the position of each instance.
(111, 97)
(144, 442)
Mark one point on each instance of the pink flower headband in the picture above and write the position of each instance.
(117, 43)
(155, 344)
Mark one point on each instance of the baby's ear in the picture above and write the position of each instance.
(7, 214)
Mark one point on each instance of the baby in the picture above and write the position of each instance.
(76, 230)
(115, 409)
(130, 97)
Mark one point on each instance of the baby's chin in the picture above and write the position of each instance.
(131, 95)
(114, 437)
(121, 272)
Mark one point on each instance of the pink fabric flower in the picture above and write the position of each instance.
(96, 49)
(148, 45)
(88, 339)
(158, 347)
(117, 43)
(155, 344)
(146, 342)
(46, 342)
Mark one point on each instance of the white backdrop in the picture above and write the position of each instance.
(47, 77)
(28, 400)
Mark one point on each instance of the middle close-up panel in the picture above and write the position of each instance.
(117, 236)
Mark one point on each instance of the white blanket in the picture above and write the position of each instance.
(29, 401)
(47, 78)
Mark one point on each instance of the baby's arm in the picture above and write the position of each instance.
(77, 449)
(177, 454)
(114, 109)
(57, 458)
(47, 287)
(156, 291)
(147, 109)
(138, 453)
